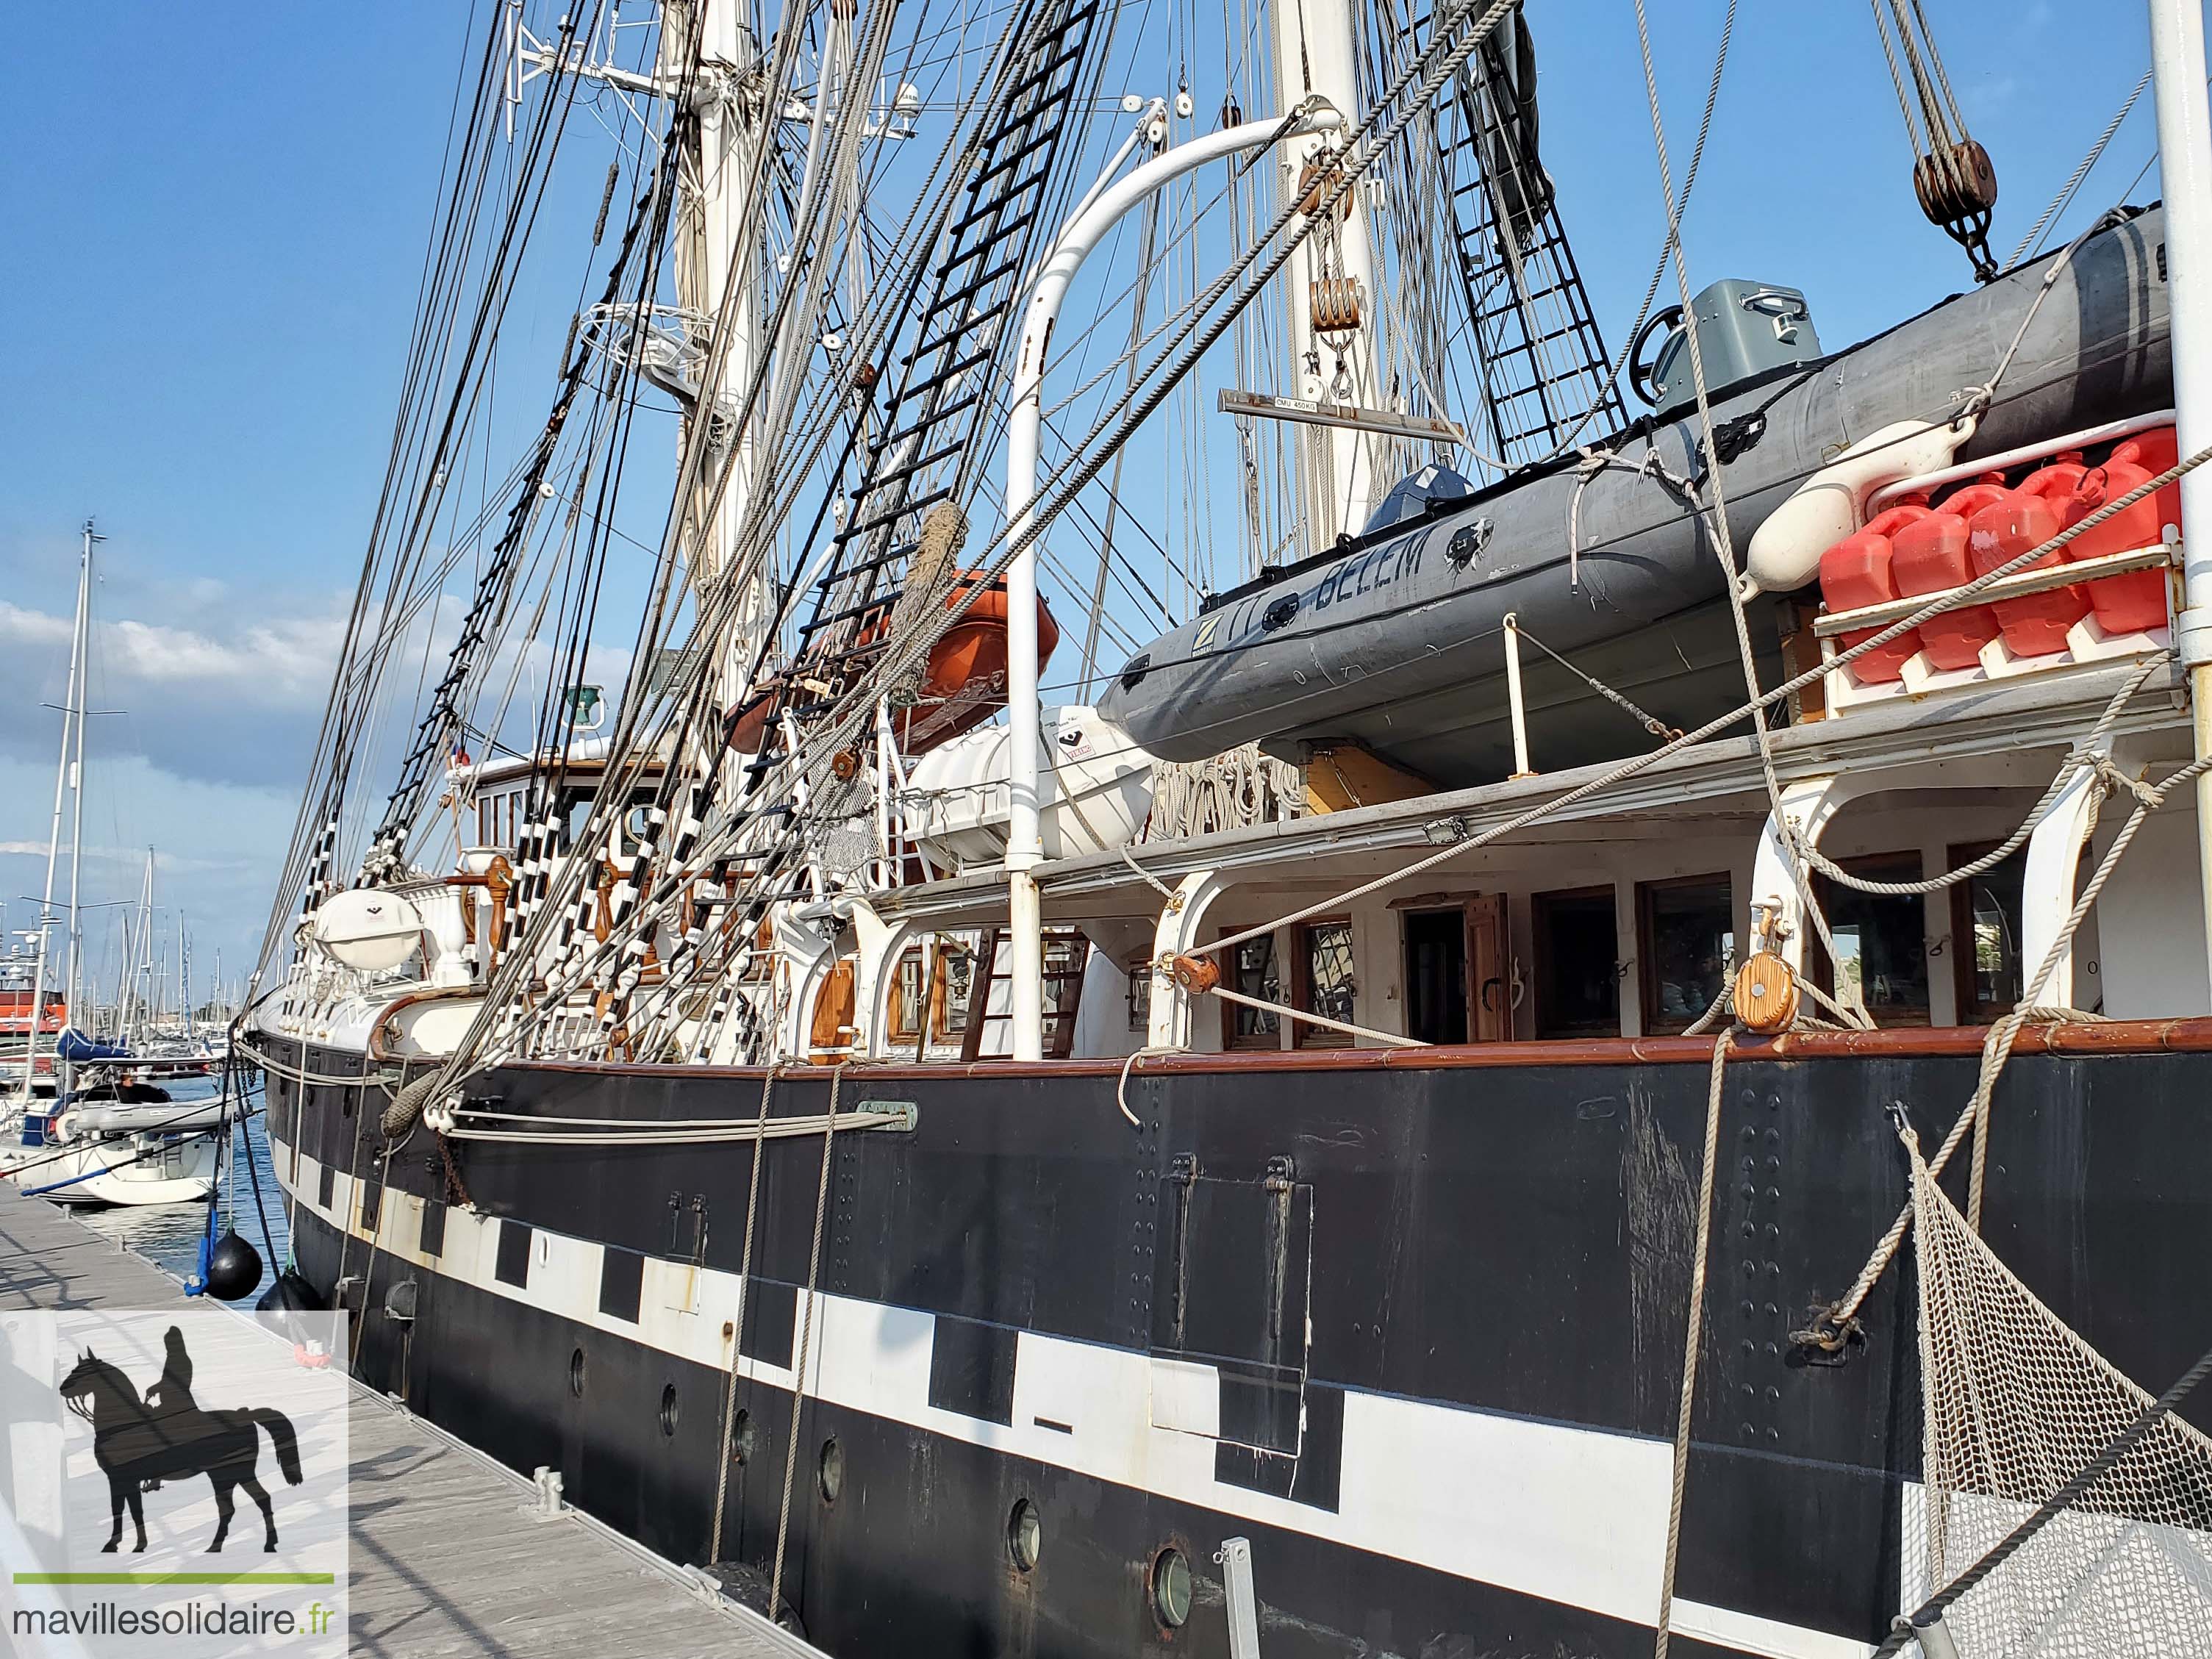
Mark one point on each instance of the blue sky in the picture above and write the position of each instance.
(215, 220)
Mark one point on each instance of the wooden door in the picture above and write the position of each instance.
(830, 1033)
(1489, 970)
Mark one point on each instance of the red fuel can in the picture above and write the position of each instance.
(2136, 602)
(1931, 555)
(1854, 572)
(2035, 624)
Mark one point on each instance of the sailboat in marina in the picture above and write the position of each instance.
(1257, 948)
(93, 1133)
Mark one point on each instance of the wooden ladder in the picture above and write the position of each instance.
(1063, 989)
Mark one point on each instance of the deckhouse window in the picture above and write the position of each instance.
(1577, 963)
(1985, 935)
(1882, 940)
(1325, 983)
(1251, 971)
(1685, 945)
(906, 998)
(952, 986)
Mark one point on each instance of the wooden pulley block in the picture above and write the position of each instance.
(1766, 992)
(1315, 180)
(1965, 187)
(1195, 974)
(1335, 305)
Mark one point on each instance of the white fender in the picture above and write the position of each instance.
(1785, 551)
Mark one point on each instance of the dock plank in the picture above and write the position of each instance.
(446, 1562)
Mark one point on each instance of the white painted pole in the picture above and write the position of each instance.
(1521, 767)
(886, 781)
(1024, 844)
(2185, 154)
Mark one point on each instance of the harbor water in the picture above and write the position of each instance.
(170, 1234)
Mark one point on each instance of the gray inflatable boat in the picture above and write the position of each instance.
(1393, 643)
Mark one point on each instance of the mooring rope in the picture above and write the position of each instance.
(1692, 1340)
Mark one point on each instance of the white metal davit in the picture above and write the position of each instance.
(1024, 848)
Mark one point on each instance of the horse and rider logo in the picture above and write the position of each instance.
(141, 1442)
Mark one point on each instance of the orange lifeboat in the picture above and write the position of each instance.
(747, 725)
(963, 682)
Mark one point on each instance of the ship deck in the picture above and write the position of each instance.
(445, 1558)
(2003, 734)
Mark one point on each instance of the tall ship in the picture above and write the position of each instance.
(1219, 939)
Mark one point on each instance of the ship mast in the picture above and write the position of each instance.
(1330, 278)
(715, 184)
(65, 777)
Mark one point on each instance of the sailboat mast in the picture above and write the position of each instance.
(138, 960)
(1330, 279)
(72, 711)
(69, 1013)
(185, 977)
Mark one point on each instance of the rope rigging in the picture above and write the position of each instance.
(1952, 177)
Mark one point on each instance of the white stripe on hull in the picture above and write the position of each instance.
(1571, 1515)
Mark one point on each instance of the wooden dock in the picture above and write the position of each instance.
(445, 1560)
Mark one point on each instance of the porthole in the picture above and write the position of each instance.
(831, 1472)
(1170, 1588)
(1025, 1535)
(668, 1412)
(576, 1373)
(741, 1438)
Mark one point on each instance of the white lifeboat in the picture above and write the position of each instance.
(366, 929)
(1095, 785)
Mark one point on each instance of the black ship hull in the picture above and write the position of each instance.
(1414, 1328)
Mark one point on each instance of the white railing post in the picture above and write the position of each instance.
(1520, 767)
(2184, 157)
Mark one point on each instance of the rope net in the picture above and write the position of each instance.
(2017, 1404)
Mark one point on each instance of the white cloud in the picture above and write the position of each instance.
(211, 685)
(21, 627)
(276, 661)
(134, 857)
